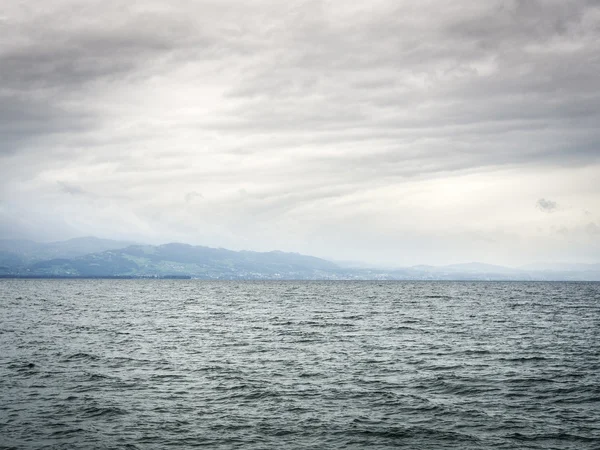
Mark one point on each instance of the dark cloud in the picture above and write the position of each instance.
(55, 60)
(312, 68)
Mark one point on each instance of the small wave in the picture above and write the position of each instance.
(440, 367)
(401, 328)
(477, 352)
(22, 366)
(98, 376)
(459, 388)
(67, 432)
(551, 436)
(309, 374)
(414, 432)
(255, 394)
(81, 356)
(103, 412)
(529, 380)
(524, 359)
(167, 376)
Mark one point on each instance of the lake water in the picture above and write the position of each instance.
(152, 364)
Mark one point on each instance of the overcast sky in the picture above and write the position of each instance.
(396, 132)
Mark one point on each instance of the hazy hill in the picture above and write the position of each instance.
(29, 251)
(16, 255)
(562, 267)
(185, 260)
(93, 257)
(468, 268)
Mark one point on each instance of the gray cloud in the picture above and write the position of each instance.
(189, 197)
(592, 229)
(317, 110)
(72, 189)
(547, 205)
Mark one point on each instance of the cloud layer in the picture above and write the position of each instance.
(396, 132)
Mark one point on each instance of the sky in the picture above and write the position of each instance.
(390, 132)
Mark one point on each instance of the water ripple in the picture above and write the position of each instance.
(153, 364)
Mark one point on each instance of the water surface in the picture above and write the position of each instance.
(153, 364)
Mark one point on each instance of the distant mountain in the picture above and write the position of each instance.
(93, 257)
(480, 271)
(21, 253)
(469, 268)
(562, 267)
(184, 260)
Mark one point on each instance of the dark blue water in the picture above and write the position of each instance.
(155, 364)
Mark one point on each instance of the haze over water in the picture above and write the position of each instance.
(171, 363)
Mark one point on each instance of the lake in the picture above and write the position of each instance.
(153, 364)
